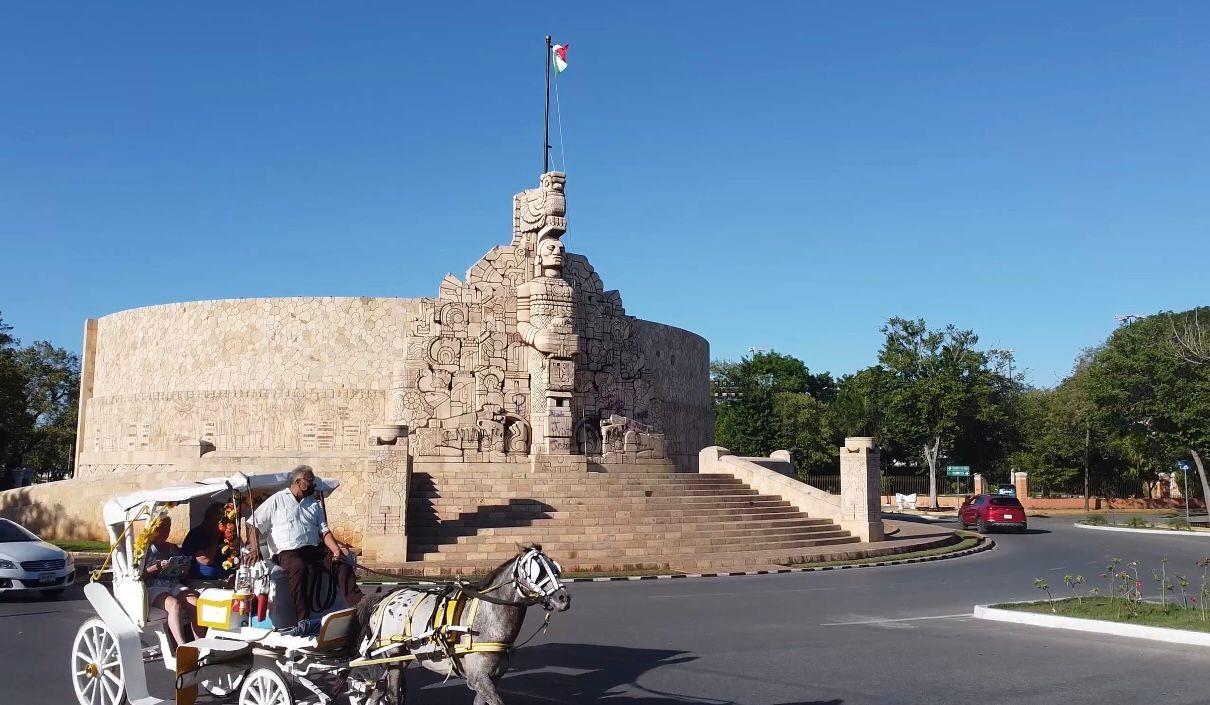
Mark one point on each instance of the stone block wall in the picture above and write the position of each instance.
(679, 366)
(243, 375)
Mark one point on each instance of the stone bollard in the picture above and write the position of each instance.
(860, 503)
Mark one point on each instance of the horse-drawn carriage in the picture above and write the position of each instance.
(255, 652)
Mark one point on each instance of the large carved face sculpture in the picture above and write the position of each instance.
(550, 254)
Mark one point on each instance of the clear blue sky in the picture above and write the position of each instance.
(782, 176)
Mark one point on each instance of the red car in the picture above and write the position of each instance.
(986, 511)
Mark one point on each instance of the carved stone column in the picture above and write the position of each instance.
(860, 500)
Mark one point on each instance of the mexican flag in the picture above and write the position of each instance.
(559, 54)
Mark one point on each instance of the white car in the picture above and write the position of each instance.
(29, 563)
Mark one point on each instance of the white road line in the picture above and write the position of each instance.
(732, 594)
(905, 619)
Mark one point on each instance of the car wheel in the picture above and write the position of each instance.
(981, 526)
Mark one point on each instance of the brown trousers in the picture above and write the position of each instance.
(295, 564)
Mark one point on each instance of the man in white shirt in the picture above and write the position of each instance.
(298, 531)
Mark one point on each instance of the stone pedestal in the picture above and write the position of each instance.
(1021, 482)
(860, 505)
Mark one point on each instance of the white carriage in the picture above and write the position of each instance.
(243, 658)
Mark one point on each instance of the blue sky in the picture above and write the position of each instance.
(779, 176)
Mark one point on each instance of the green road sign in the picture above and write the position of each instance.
(958, 471)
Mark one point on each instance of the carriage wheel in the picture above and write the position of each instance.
(223, 685)
(96, 667)
(265, 686)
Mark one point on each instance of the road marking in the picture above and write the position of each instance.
(732, 594)
(888, 621)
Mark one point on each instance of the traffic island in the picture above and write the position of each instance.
(1172, 623)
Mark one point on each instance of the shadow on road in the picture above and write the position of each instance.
(585, 673)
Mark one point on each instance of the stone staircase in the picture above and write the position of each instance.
(634, 517)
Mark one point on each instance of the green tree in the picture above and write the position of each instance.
(770, 401)
(940, 389)
(39, 392)
(802, 426)
(1146, 390)
(743, 408)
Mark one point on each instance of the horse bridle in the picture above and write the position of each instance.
(536, 576)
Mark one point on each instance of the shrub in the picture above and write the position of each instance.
(1179, 523)
(1095, 520)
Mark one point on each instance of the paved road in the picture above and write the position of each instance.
(877, 636)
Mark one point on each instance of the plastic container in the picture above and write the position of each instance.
(216, 610)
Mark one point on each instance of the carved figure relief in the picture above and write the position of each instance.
(526, 356)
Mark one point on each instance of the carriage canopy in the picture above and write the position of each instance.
(125, 508)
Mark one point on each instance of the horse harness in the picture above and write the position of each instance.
(449, 628)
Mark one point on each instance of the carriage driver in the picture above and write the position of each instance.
(297, 526)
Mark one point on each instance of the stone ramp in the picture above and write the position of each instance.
(647, 517)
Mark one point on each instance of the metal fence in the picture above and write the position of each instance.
(899, 484)
(827, 483)
(1115, 487)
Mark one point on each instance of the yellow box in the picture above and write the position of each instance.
(214, 610)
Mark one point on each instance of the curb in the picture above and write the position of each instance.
(985, 545)
(1096, 626)
(1166, 532)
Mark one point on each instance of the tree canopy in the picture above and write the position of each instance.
(1131, 408)
(39, 393)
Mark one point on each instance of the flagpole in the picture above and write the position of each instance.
(546, 130)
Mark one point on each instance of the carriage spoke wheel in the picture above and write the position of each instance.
(96, 668)
(265, 686)
(224, 685)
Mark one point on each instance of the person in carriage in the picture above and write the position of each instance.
(204, 543)
(162, 576)
(296, 527)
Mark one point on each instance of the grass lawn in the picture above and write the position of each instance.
(95, 546)
(1147, 613)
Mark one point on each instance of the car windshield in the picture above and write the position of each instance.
(11, 533)
(1005, 502)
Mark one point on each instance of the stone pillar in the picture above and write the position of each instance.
(388, 482)
(87, 374)
(979, 487)
(1021, 482)
(860, 503)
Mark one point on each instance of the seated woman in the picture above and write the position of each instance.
(163, 580)
(204, 542)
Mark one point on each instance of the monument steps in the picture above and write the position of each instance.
(574, 546)
(612, 492)
(611, 549)
(602, 520)
(540, 526)
(639, 532)
(477, 515)
(612, 500)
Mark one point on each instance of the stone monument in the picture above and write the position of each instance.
(526, 364)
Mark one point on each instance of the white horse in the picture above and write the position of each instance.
(464, 630)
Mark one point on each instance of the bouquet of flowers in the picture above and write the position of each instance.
(227, 527)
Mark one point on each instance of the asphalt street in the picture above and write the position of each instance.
(870, 636)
